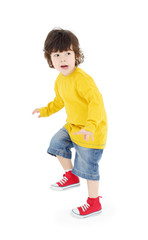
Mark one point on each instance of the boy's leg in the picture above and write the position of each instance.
(69, 179)
(93, 188)
(86, 166)
(65, 162)
(93, 205)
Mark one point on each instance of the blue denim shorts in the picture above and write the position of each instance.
(86, 161)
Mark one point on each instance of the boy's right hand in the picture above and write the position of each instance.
(36, 111)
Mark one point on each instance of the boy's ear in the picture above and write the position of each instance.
(77, 60)
(50, 63)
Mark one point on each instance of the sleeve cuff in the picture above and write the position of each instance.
(43, 112)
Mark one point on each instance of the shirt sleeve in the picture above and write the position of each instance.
(54, 106)
(90, 93)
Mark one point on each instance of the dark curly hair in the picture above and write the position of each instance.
(62, 40)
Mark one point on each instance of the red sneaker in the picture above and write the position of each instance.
(91, 207)
(69, 180)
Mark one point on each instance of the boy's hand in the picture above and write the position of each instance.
(36, 111)
(86, 134)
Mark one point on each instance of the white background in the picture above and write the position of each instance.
(114, 38)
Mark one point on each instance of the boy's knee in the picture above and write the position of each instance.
(59, 156)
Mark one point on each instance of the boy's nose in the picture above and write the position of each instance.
(62, 59)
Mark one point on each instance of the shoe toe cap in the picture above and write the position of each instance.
(76, 211)
(54, 185)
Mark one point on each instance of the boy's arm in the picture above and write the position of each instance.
(94, 110)
(53, 106)
(91, 94)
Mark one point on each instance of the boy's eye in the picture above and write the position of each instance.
(68, 53)
(56, 55)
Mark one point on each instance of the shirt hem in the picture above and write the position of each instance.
(88, 145)
(85, 144)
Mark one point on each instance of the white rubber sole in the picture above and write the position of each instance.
(57, 188)
(85, 216)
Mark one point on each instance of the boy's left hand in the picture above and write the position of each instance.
(86, 134)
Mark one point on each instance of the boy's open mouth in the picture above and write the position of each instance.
(64, 67)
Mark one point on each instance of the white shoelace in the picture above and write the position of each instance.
(63, 180)
(85, 207)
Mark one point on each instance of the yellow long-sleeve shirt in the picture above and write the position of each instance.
(84, 107)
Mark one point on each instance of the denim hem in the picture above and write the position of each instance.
(55, 152)
(85, 175)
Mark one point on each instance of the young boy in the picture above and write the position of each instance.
(86, 124)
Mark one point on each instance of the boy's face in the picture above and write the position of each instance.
(64, 61)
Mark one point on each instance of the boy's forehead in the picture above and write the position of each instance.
(64, 50)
